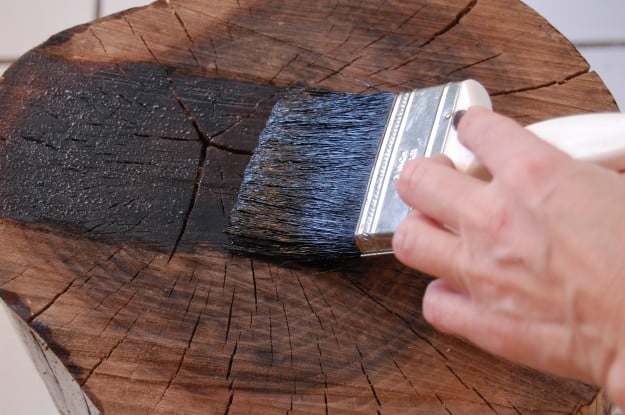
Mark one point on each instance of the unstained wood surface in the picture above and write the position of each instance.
(122, 146)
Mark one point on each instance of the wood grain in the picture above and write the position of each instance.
(122, 145)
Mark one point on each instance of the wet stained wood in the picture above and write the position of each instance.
(122, 145)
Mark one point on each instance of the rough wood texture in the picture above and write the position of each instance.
(122, 144)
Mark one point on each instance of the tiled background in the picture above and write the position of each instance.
(594, 26)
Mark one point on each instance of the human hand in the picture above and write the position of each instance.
(531, 264)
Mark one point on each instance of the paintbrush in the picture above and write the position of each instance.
(321, 182)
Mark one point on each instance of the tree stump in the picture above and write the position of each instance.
(122, 146)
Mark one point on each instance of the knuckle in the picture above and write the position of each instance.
(529, 170)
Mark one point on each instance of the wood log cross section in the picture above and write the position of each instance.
(122, 147)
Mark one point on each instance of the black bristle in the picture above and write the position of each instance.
(302, 191)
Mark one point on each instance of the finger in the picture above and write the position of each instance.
(443, 160)
(421, 244)
(433, 188)
(451, 310)
(497, 141)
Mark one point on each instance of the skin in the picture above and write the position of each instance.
(530, 265)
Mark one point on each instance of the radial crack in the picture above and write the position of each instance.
(451, 24)
(52, 301)
(543, 85)
(470, 65)
(199, 174)
(180, 362)
(485, 401)
(399, 316)
(444, 404)
(364, 372)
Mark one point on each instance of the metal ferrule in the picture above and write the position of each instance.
(419, 124)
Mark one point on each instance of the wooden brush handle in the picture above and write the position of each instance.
(595, 137)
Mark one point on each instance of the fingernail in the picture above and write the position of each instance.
(457, 117)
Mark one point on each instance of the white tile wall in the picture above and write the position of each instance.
(595, 26)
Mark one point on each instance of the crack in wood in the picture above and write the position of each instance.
(329, 307)
(271, 339)
(308, 302)
(364, 372)
(444, 404)
(288, 332)
(399, 316)
(187, 33)
(492, 408)
(453, 372)
(117, 313)
(412, 16)
(462, 13)
(98, 40)
(89, 273)
(184, 27)
(229, 376)
(543, 85)
(199, 175)
(340, 69)
(39, 141)
(374, 41)
(229, 317)
(283, 67)
(254, 284)
(186, 311)
(18, 275)
(516, 410)
(132, 29)
(110, 352)
(405, 377)
(172, 378)
(52, 301)
(323, 373)
(470, 65)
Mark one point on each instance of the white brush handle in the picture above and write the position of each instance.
(598, 138)
(595, 137)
